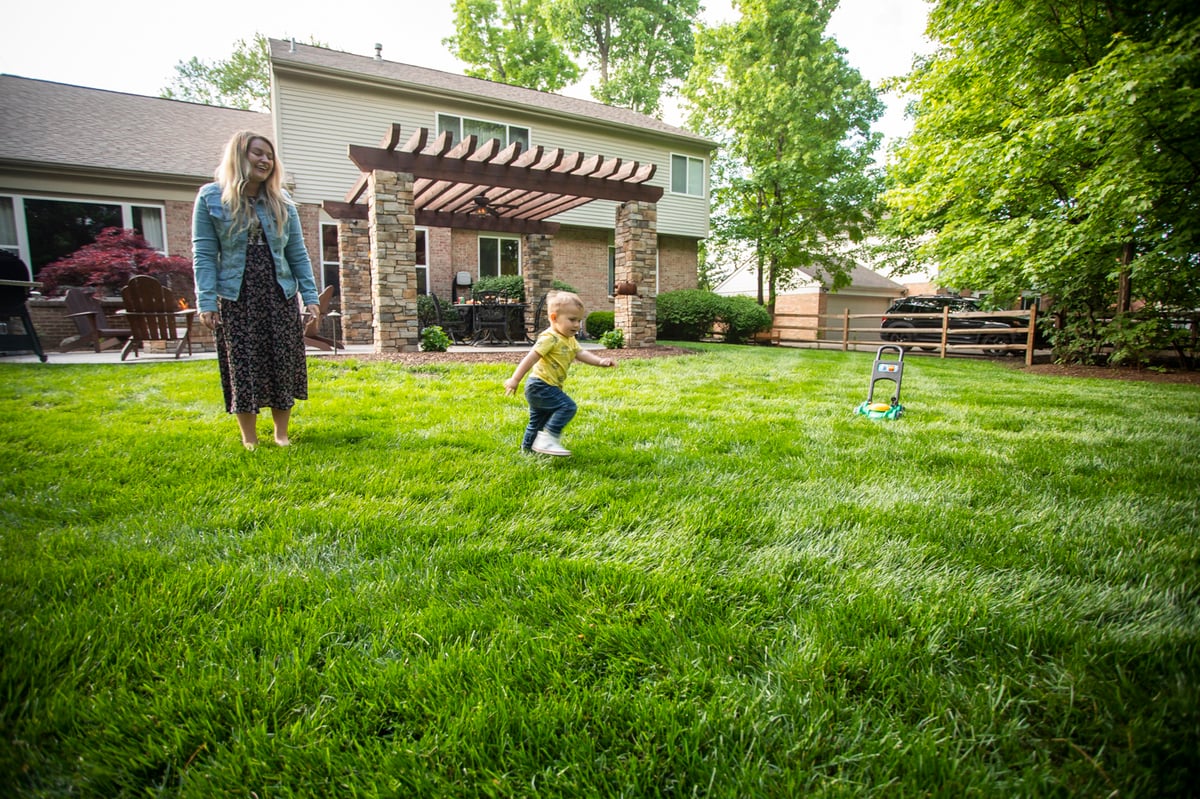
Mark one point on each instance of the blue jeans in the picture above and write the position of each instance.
(549, 409)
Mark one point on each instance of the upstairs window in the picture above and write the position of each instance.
(462, 127)
(687, 175)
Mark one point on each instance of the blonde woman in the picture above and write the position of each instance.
(250, 262)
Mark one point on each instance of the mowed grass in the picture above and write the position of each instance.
(737, 587)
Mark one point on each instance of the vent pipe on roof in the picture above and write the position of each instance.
(293, 45)
(378, 51)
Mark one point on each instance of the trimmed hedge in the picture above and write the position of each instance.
(691, 314)
(600, 322)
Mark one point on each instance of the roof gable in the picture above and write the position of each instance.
(291, 55)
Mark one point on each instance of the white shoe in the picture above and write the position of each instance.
(547, 444)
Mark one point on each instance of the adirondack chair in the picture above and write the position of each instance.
(154, 314)
(14, 291)
(312, 329)
(95, 330)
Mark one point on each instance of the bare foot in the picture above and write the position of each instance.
(250, 445)
(283, 441)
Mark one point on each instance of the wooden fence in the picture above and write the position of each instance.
(847, 331)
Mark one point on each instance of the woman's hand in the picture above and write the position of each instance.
(210, 319)
(312, 313)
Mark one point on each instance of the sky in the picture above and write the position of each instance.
(133, 45)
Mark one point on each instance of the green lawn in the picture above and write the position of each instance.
(736, 587)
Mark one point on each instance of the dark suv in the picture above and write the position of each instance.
(900, 324)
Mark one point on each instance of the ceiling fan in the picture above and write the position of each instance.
(484, 206)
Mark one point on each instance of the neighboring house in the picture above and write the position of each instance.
(806, 304)
(74, 161)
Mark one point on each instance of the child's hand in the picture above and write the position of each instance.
(510, 386)
(608, 362)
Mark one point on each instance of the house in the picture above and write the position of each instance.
(141, 160)
(805, 304)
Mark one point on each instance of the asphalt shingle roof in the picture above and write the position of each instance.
(76, 127)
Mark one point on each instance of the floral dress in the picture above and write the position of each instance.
(260, 341)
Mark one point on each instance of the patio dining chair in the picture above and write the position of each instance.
(451, 321)
(491, 323)
(154, 315)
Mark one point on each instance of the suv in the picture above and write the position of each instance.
(900, 324)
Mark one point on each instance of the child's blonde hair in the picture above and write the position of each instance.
(560, 300)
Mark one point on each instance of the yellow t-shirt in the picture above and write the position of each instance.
(557, 354)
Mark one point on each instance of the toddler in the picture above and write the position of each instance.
(550, 409)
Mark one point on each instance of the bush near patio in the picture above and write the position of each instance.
(695, 314)
(736, 587)
(108, 263)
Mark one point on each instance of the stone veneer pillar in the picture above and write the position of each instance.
(537, 264)
(393, 261)
(636, 261)
(354, 282)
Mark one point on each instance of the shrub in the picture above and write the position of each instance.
(426, 313)
(613, 340)
(743, 317)
(510, 287)
(687, 314)
(434, 339)
(600, 322)
(110, 261)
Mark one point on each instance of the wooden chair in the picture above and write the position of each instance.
(154, 315)
(312, 329)
(95, 330)
(14, 292)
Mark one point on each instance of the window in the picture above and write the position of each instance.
(422, 261)
(499, 256)
(331, 262)
(8, 227)
(56, 228)
(462, 127)
(687, 175)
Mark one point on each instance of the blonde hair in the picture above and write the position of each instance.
(233, 173)
(560, 300)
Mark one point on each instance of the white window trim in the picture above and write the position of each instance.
(126, 216)
(498, 237)
(437, 126)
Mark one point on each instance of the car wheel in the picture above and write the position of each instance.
(990, 345)
(901, 333)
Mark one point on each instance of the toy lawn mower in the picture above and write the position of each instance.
(885, 369)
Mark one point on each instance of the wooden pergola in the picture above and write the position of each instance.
(431, 181)
(522, 188)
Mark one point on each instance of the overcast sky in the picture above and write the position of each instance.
(133, 45)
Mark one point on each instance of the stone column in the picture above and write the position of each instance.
(537, 264)
(636, 239)
(393, 261)
(354, 281)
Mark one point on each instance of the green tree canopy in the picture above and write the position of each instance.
(794, 176)
(510, 42)
(1056, 148)
(241, 81)
(640, 49)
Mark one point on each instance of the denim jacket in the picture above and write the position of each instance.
(219, 253)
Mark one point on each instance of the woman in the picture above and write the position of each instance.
(249, 259)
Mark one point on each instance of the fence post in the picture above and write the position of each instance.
(845, 329)
(1029, 338)
(945, 327)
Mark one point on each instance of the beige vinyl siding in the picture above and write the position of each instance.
(321, 118)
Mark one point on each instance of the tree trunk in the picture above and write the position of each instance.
(1124, 281)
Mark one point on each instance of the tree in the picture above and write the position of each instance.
(639, 48)
(241, 81)
(510, 43)
(110, 261)
(1056, 149)
(793, 177)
